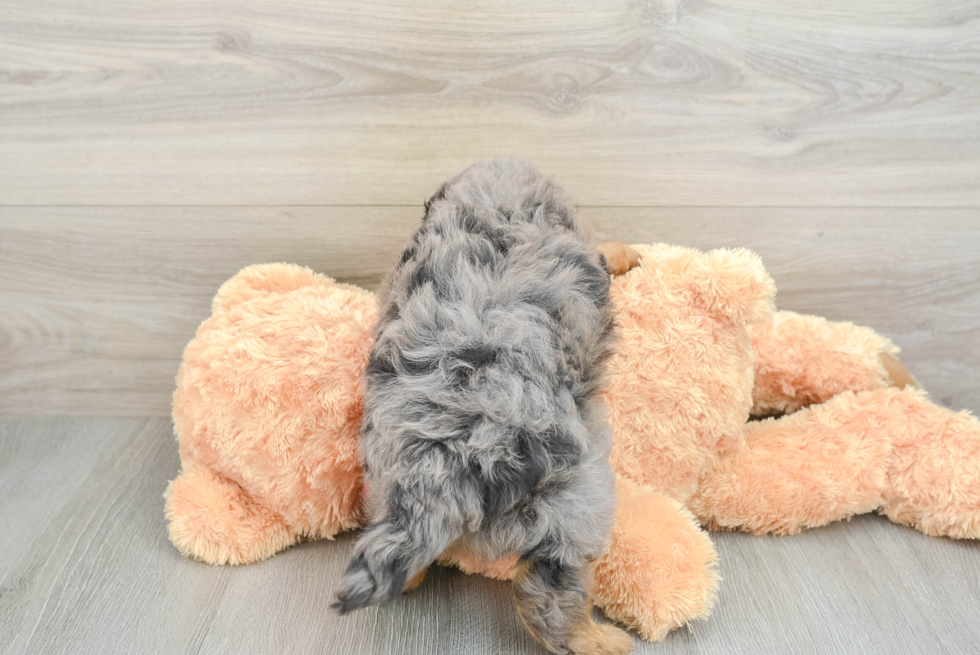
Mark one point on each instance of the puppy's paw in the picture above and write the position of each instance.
(615, 641)
(601, 639)
(620, 258)
(358, 588)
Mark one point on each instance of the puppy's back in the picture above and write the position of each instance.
(481, 415)
(500, 274)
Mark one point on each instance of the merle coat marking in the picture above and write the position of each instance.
(481, 421)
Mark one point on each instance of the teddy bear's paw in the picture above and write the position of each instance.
(213, 520)
(934, 473)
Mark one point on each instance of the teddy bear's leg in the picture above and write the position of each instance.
(215, 521)
(821, 464)
(934, 471)
(890, 450)
(659, 571)
(804, 360)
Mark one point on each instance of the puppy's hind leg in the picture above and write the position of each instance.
(398, 548)
(553, 601)
(414, 583)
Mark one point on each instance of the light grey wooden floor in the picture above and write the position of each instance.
(85, 567)
(148, 150)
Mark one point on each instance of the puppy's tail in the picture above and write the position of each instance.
(388, 554)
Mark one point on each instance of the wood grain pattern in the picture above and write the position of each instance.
(628, 102)
(98, 303)
(85, 567)
(149, 150)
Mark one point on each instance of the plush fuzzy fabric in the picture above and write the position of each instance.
(659, 572)
(934, 469)
(888, 450)
(267, 408)
(680, 382)
(821, 464)
(803, 360)
(269, 401)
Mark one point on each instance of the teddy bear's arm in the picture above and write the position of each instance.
(800, 471)
(659, 571)
(802, 360)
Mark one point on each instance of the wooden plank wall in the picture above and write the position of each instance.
(150, 149)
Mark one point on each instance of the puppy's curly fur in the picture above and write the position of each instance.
(482, 425)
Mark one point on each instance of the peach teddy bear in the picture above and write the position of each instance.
(268, 405)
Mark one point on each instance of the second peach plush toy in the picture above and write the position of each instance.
(268, 406)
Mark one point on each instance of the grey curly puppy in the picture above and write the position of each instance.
(482, 425)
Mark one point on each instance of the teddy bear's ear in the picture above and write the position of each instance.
(261, 280)
(733, 286)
